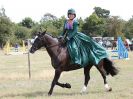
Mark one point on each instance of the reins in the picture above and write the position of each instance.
(50, 45)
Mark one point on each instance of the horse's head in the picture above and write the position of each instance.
(38, 42)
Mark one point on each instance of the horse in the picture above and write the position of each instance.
(60, 61)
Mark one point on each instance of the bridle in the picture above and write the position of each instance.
(50, 46)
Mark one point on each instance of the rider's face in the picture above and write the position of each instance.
(71, 16)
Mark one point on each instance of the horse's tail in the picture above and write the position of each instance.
(109, 67)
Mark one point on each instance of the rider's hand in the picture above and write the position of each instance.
(60, 37)
(68, 38)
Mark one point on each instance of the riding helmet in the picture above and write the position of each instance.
(71, 11)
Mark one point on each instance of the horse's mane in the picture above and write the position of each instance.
(50, 34)
(55, 38)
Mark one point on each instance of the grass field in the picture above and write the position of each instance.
(15, 83)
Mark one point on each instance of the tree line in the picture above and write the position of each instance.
(99, 23)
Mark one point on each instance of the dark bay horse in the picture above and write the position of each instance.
(61, 62)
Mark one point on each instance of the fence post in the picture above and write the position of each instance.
(29, 60)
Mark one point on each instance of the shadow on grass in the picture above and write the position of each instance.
(33, 94)
(45, 94)
(39, 94)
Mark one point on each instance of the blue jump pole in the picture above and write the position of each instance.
(122, 51)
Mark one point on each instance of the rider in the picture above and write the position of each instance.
(82, 49)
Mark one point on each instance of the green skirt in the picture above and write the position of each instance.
(84, 51)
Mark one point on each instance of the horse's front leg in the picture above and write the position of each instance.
(55, 80)
(67, 85)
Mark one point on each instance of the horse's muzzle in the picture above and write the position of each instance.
(31, 50)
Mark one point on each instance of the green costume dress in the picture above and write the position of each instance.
(82, 49)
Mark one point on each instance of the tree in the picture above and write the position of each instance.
(35, 29)
(5, 28)
(2, 12)
(50, 23)
(81, 22)
(115, 26)
(93, 25)
(101, 13)
(59, 24)
(129, 28)
(27, 22)
(20, 33)
(48, 17)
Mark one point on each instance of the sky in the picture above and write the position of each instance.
(17, 10)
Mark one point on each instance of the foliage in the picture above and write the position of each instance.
(2, 12)
(27, 22)
(53, 25)
(93, 25)
(101, 13)
(22, 32)
(59, 24)
(48, 16)
(129, 28)
(35, 29)
(115, 26)
(5, 28)
(81, 22)
(99, 23)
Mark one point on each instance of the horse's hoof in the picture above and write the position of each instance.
(67, 85)
(83, 90)
(110, 89)
(49, 94)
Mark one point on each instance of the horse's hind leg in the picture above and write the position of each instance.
(103, 73)
(87, 77)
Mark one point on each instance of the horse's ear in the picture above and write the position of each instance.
(43, 33)
(39, 33)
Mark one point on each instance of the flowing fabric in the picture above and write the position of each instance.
(82, 49)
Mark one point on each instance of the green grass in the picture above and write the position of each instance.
(15, 83)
